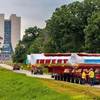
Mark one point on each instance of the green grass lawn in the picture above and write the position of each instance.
(20, 87)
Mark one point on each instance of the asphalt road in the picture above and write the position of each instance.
(28, 73)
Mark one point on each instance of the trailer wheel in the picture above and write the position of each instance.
(76, 80)
(55, 77)
(58, 77)
(68, 77)
(97, 82)
(72, 80)
(52, 76)
(79, 81)
(62, 77)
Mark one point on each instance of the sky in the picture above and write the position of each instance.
(32, 12)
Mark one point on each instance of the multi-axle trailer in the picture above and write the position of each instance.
(67, 66)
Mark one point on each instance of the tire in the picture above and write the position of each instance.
(65, 78)
(79, 80)
(62, 77)
(52, 76)
(76, 80)
(58, 77)
(68, 77)
(55, 77)
(72, 80)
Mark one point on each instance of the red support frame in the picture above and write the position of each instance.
(59, 61)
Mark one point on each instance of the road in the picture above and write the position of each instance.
(28, 73)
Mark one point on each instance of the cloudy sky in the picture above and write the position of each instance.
(32, 12)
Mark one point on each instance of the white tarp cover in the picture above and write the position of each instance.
(74, 59)
(33, 57)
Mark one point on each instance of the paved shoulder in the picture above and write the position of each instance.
(6, 66)
(28, 73)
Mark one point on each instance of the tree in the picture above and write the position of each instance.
(92, 33)
(49, 46)
(19, 54)
(30, 34)
(73, 27)
(22, 49)
(66, 28)
(67, 24)
(37, 46)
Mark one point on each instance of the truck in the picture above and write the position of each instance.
(67, 66)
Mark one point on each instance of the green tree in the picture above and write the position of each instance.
(37, 46)
(19, 54)
(67, 24)
(73, 27)
(42, 43)
(22, 48)
(92, 33)
(66, 28)
(30, 35)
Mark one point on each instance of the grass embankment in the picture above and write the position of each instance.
(20, 87)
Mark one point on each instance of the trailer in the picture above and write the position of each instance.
(67, 66)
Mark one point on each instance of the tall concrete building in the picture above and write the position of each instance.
(15, 30)
(10, 30)
(1, 29)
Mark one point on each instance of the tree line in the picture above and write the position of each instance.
(73, 27)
